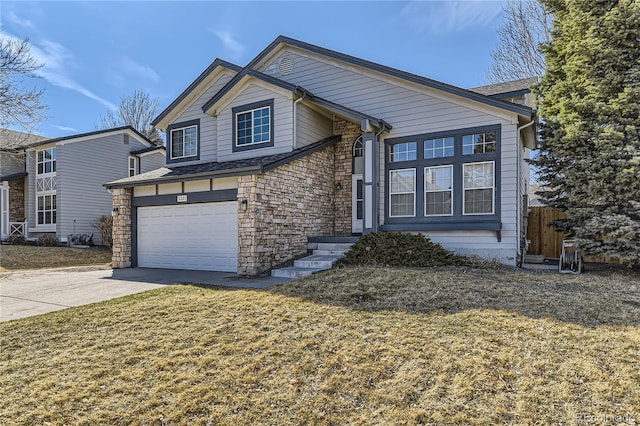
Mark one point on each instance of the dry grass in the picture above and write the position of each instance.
(32, 257)
(351, 346)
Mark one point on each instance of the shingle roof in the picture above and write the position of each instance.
(148, 149)
(13, 176)
(11, 139)
(94, 133)
(230, 168)
(508, 87)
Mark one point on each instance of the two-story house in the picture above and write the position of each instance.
(54, 186)
(308, 142)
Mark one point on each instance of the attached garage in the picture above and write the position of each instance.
(201, 236)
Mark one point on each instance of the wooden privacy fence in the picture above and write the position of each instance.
(545, 240)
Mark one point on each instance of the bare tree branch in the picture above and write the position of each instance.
(136, 110)
(527, 26)
(18, 107)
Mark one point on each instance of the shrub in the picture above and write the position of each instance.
(48, 241)
(17, 240)
(398, 249)
(104, 224)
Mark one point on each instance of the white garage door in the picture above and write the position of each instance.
(189, 236)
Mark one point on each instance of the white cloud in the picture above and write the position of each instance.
(65, 128)
(55, 58)
(134, 68)
(235, 48)
(450, 16)
(26, 23)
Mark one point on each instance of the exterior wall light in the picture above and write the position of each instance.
(243, 205)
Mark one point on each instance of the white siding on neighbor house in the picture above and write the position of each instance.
(282, 121)
(82, 169)
(152, 161)
(11, 164)
(311, 126)
(208, 124)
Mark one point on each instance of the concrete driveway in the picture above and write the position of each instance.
(28, 293)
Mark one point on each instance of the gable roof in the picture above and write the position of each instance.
(210, 69)
(11, 140)
(245, 166)
(507, 88)
(95, 133)
(302, 92)
(424, 81)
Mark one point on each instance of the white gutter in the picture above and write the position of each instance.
(295, 120)
(519, 204)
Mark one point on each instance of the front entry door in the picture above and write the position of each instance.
(356, 204)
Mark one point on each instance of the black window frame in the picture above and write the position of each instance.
(177, 126)
(246, 108)
(457, 220)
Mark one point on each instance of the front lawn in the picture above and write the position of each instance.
(34, 257)
(349, 346)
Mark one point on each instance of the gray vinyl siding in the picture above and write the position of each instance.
(283, 123)
(412, 110)
(311, 125)
(152, 161)
(208, 124)
(82, 168)
(11, 164)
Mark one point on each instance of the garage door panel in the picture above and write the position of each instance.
(192, 236)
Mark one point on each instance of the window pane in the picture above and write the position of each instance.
(402, 152)
(402, 205)
(40, 218)
(438, 148)
(438, 203)
(177, 140)
(438, 178)
(402, 181)
(479, 143)
(478, 201)
(190, 141)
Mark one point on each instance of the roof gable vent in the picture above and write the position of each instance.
(285, 66)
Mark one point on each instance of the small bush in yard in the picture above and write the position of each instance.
(17, 240)
(398, 249)
(48, 241)
(104, 224)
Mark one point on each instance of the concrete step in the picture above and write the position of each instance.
(294, 272)
(343, 247)
(316, 261)
(337, 253)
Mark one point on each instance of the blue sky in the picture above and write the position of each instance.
(96, 52)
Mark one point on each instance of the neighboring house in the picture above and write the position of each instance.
(12, 180)
(54, 186)
(307, 142)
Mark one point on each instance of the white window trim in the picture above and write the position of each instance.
(135, 165)
(55, 161)
(426, 191)
(251, 111)
(391, 193)
(493, 189)
(46, 226)
(173, 157)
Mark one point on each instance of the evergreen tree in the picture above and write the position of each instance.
(590, 104)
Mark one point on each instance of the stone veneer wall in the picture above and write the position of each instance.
(16, 200)
(285, 206)
(121, 257)
(343, 158)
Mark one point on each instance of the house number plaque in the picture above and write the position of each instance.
(182, 198)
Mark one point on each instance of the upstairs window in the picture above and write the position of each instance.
(184, 142)
(406, 151)
(46, 160)
(253, 126)
(133, 166)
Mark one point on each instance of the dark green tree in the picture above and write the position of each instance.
(590, 138)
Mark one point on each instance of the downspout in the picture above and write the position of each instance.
(295, 119)
(519, 204)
